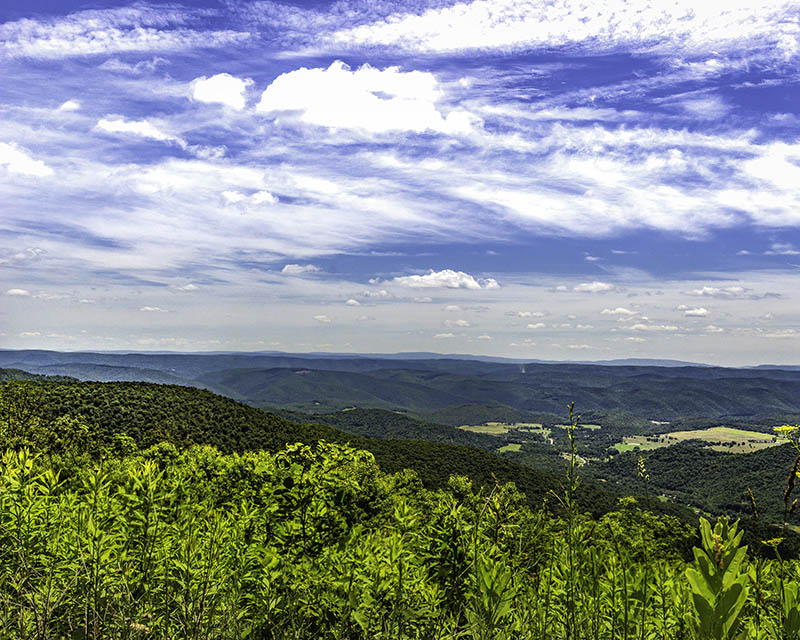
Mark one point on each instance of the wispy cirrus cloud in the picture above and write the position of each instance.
(514, 25)
(105, 31)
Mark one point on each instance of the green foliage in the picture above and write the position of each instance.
(719, 582)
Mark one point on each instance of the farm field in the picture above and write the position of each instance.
(501, 428)
(726, 439)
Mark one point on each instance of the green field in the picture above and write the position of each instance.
(581, 426)
(489, 429)
(726, 439)
(501, 428)
(513, 446)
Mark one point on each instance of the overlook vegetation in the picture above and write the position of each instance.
(133, 510)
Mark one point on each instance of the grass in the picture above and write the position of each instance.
(512, 446)
(591, 427)
(501, 428)
(489, 429)
(725, 439)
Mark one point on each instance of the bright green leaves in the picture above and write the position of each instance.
(719, 582)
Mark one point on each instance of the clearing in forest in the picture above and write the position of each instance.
(726, 439)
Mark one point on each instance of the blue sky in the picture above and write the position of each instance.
(558, 180)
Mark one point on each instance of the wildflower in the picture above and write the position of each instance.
(786, 428)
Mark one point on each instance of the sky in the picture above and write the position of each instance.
(543, 179)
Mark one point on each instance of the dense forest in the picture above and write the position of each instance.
(132, 510)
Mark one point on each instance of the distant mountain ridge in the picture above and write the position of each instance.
(427, 386)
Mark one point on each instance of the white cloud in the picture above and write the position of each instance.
(353, 303)
(713, 329)
(263, 197)
(297, 269)
(232, 197)
(619, 311)
(652, 327)
(16, 159)
(526, 314)
(699, 312)
(445, 279)
(452, 307)
(456, 323)
(635, 339)
(221, 88)
(188, 287)
(18, 292)
(485, 337)
(779, 333)
(441, 336)
(29, 334)
(782, 249)
(259, 197)
(70, 105)
(143, 66)
(322, 318)
(124, 29)
(680, 26)
(139, 128)
(537, 325)
(733, 292)
(367, 99)
(150, 309)
(593, 287)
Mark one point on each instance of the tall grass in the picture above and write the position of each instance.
(317, 543)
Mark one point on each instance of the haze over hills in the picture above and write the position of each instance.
(425, 386)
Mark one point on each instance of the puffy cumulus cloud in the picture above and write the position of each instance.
(733, 292)
(444, 336)
(698, 312)
(367, 99)
(618, 311)
(18, 292)
(256, 198)
(526, 314)
(149, 309)
(17, 159)
(298, 269)
(322, 319)
(652, 327)
(187, 287)
(353, 303)
(138, 128)
(593, 287)
(70, 105)
(456, 323)
(680, 26)
(710, 328)
(445, 279)
(485, 337)
(537, 325)
(223, 89)
(380, 294)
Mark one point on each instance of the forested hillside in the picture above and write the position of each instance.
(119, 519)
(440, 388)
(148, 414)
